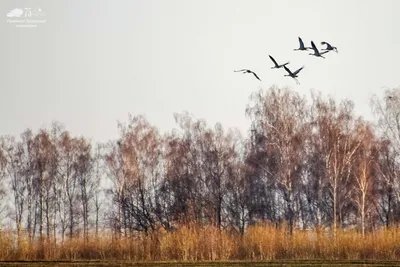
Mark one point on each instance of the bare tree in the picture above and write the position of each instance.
(46, 167)
(387, 111)
(68, 185)
(98, 176)
(365, 171)
(12, 152)
(136, 173)
(28, 162)
(218, 155)
(3, 170)
(238, 197)
(183, 174)
(87, 182)
(116, 171)
(334, 126)
(281, 116)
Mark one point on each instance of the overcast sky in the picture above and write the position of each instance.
(93, 62)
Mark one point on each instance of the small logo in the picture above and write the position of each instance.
(27, 17)
(15, 13)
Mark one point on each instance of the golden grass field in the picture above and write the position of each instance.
(196, 244)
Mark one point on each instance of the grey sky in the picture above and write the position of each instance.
(93, 62)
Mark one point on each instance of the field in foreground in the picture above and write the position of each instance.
(286, 263)
(197, 244)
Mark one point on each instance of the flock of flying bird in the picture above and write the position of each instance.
(293, 74)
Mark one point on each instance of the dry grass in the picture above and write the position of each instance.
(195, 243)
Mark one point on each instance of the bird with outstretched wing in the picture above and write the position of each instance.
(277, 66)
(248, 71)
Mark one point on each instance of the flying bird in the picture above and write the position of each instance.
(329, 47)
(293, 74)
(302, 47)
(277, 66)
(247, 71)
(316, 52)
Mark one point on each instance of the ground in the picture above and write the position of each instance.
(287, 263)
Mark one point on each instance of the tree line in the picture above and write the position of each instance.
(307, 162)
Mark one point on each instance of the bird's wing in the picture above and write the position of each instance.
(290, 73)
(328, 45)
(256, 75)
(301, 42)
(297, 71)
(240, 70)
(276, 64)
(324, 52)
(313, 46)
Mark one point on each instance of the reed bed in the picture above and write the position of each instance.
(207, 243)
